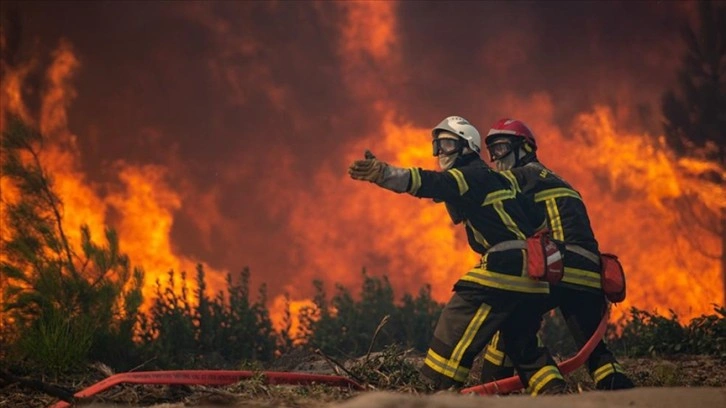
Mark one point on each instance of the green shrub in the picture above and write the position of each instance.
(344, 326)
(707, 334)
(649, 334)
(186, 328)
(57, 343)
(51, 292)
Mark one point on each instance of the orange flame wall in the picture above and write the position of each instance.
(230, 147)
(140, 196)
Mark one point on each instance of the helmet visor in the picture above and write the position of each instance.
(499, 149)
(446, 146)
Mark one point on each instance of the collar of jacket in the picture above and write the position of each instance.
(467, 160)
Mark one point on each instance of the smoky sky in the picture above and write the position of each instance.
(225, 93)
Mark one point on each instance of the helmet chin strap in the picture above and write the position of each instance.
(447, 161)
(511, 160)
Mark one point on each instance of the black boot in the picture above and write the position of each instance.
(554, 387)
(615, 381)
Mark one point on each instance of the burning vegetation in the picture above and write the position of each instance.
(116, 217)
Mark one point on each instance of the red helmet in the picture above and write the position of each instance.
(512, 127)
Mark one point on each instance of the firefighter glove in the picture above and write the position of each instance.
(383, 174)
(368, 169)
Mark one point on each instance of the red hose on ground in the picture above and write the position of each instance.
(510, 384)
(209, 377)
(226, 377)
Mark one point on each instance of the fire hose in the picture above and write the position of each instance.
(226, 377)
(209, 377)
(507, 385)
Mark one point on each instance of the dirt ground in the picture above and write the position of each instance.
(688, 381)
(679, 397)
(652, 397)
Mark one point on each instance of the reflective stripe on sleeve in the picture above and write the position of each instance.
(498, 196)
(415, 181)
(460, 181)
(556, 193)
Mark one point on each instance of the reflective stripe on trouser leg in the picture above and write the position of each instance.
(544, 376)
(493, 354)
(582, 312)
(535, 366)
(462, 330)
(605, 370)
(495, 365)
(451, 367)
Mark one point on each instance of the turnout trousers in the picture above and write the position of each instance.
(582, 311)
(470, 320)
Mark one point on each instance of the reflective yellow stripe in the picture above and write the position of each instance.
(607, 369)
(542, 377)
(582, 277)
(507, 220)
(442, 366)
(460, 181)
(505, 282)
(497, 196)
(493, 355)
(512, 179)
(556, 193)
(415, 181)
(478, 237)
(553, 214)
(469, 334)
(495, 341)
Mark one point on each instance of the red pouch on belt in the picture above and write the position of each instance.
(613, 278)
(544, 258)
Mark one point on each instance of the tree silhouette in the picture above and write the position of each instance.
(62, 305)
(695, 112)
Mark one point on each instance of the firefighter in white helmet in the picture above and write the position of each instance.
(493, 295)
(513, 149)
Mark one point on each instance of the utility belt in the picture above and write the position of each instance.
(544, 263)
(589, 255)
(612, 274)
(544, 257)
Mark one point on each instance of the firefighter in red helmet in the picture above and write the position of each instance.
(494, 295)
(513, 149)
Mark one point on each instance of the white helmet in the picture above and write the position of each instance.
(462, 128)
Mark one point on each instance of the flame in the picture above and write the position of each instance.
(633, 216)
(279, 305)
(142, 196)
(332, 226)
(629, 182)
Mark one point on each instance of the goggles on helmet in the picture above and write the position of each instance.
(447, 146)
(500, 149)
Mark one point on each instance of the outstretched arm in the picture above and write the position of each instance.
(381, 173)
(441, 186)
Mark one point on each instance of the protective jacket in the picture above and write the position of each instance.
(493, 212)
(567, 219)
